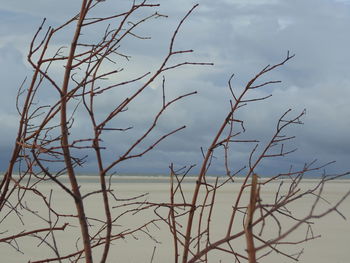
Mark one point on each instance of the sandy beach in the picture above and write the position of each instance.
(332, 246)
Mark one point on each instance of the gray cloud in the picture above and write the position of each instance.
(239, 37)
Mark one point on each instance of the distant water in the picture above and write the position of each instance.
(159, 178)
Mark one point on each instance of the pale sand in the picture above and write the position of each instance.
(332, 247)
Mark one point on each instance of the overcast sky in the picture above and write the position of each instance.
(238, 36)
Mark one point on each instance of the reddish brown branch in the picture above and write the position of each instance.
(28, 233)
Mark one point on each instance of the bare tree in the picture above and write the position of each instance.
(45, 135)
(48, 146)
(258, 214)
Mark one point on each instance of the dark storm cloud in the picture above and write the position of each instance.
(12, 74)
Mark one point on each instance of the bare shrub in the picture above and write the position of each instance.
(48, 147)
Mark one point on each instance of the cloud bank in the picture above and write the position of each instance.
(239, 37)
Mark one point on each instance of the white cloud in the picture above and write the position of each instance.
(284, 22)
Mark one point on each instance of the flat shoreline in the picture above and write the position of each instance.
(127, 178)
(331, 247)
